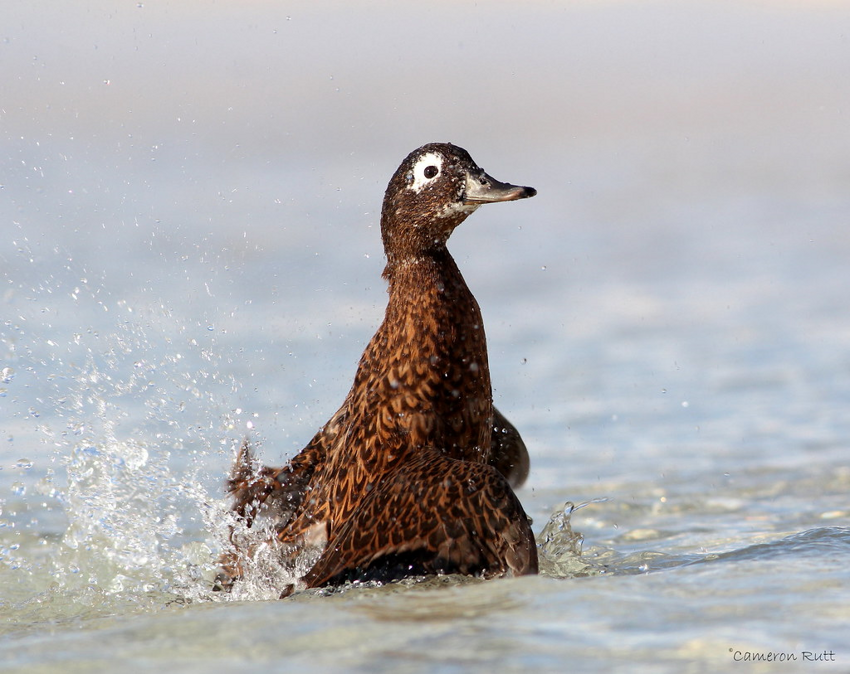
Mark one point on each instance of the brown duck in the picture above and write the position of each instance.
(413, 474)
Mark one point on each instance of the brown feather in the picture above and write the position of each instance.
(441, 515)
(416, 466)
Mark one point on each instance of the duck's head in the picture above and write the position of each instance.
(432, 192)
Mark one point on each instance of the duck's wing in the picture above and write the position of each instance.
(508, 453)
(275, 494)
(432, 515)
(279, 491)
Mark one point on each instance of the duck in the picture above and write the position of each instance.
(415, 472)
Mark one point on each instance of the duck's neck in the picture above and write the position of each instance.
(432, 349)
(431, 287)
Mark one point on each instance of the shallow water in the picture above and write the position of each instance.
(190, 254)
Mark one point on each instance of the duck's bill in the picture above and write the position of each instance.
(484, 189)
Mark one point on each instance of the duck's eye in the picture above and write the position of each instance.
(426, 167)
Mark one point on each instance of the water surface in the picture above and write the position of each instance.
(190, 254)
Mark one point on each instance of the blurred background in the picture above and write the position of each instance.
(223, 164)
(190, 252)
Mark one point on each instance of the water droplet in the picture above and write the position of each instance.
(18, 488)
(46, 488)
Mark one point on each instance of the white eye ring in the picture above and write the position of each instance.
(423, 171)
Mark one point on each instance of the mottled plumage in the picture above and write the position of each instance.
(413, 473)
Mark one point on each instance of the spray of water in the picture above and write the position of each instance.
(130, 426)
(560, 547)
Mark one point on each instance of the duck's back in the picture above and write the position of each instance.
(422, 382)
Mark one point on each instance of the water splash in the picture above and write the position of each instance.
(560, 547)
(128, 423)
(268, 567)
